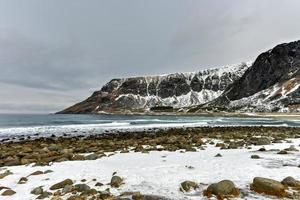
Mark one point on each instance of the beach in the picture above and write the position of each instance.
(151, 164)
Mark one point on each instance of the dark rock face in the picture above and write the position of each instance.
(274, 66)
(271, 84)
(173, 90)
(173, 86)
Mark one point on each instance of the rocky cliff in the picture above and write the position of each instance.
(172, 91)
(270, 84)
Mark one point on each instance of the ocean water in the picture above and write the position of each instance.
(12, 125)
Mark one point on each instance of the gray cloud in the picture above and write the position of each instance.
(54, 53)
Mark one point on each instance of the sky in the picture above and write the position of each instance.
(54, 53)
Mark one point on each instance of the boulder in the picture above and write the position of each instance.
(36, 173)
(99, 184)
(92, 156)
(4, 174)
(44, 195)
(67, 189)
(291, 182)
(89, 192)
(187, 186)
(106, 195)
(262, 149)
(116, 181)
(268, 186)
(282, 152)
(255, 157)
(12, 161)
(61, 184)
(48, 171)
(37, 191)
(22, 180)
(222, 189)
(78, 157)
(82, 187)
(137, 196)
(8, 192)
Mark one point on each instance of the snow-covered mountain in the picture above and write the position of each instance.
(173, 90)
(271, 84)
(281, 97)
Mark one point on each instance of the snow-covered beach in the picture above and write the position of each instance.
(161, 171)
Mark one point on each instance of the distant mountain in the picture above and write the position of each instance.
(270, 84)
(140, 94)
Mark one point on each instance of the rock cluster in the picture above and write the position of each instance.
(46, 150)
(43, 151)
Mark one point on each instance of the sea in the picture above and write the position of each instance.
(47, 125)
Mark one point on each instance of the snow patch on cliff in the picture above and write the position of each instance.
(213, 83)
(270, 99)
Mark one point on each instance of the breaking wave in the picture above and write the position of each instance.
(47, 125)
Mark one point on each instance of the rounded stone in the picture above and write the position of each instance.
(8, 192)
(225, 187)
(187, 186)
(61, 184)
(116, 181)
(268, 186)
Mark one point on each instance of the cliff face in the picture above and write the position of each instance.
(270, 84)
(173, 90)
(274, 66)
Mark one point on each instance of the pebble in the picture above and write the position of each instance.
(8, 192)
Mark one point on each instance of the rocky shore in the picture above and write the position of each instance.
(42, 158)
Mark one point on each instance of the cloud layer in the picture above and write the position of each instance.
(55, 53)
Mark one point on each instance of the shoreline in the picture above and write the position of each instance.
(188, 137)
(220, 113)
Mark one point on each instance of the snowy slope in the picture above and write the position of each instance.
(271, 84)
(275, 98)
(175, 90)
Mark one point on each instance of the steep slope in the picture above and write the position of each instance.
(173, 90)
(270, 84)
(281, 97)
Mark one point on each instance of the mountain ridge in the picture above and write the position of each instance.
(172, 90)
(277, 66)
(270, 84)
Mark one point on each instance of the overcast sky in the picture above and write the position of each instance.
(54, 53)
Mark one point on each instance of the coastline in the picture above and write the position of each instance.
(170, 139)
(282, 115)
